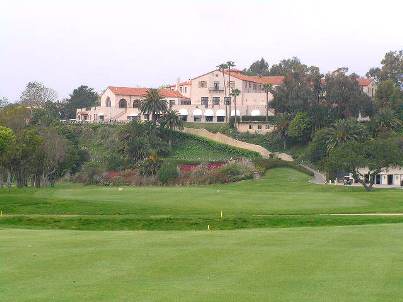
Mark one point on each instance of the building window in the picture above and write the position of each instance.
(180, 89)
(171, 103)
(183, 118)
(108, 102)
(216, 100)
(209, 119)
(232, 84)
(197, 118)
(254, 86)
(227, 100)
(122, 103)
(259, 127)
(136, 103)
(204, 101)
(101, 118)
(220, 119)
(250, 126)
(202, 84)
(250, 84)
(267, 126)
(132, 118)
(185, 102)
(186, 89)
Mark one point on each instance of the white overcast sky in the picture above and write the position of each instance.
(148, 43)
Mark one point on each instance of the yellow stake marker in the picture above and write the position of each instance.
(208, 227)
(221, 214)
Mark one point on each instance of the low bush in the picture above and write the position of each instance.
(233, 171)
(168, 172)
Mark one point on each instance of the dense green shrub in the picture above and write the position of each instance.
(168, 172)
(266, 164)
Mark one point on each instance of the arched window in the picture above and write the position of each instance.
(136, 103)
(122, 103)
(108, 102)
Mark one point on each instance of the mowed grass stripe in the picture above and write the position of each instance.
(283, 197)
(350, 263)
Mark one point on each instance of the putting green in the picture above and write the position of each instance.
(349, 263)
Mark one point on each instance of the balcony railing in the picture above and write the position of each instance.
(216, 88)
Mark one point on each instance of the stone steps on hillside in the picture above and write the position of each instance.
(225, 139)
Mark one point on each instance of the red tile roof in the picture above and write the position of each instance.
(364, 81)
(274, 80)
(141, 92)
(361, 81)
(186, 83)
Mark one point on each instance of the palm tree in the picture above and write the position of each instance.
(229, 65)
(236, 92)
(153, 104)
(344, 131)
(385, 120)
(172, 121)
(267, 88)
(222, 67)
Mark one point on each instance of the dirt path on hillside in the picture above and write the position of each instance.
(225, 139)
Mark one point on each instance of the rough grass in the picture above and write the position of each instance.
(283, 198)
(194, 148)
(350, 263)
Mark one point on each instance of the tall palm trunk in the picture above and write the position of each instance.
(229, 90)
(267, 106)
(236, 117)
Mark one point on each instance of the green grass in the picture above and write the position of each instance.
(215, 127)
(283, 198)
(194, 148)
(350, 263)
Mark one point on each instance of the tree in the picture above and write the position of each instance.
(23, 155)
(4, 102)
(51, 154)
(287, 66)
(391, 69)
(267, 88)
(223, 67)
(365, 160)
(300, 127)
(46, 115)
(345, 95)
(139, 140)
(344, 131)
(317, 149)
(15, 117)
(7, 138)
(7, 141)
(294, 95)
(281, 123)
(385, 121)
(229, 64)
(171, 120)
(235, 92)
(36, 95)
(153, 104)
(388, 95)
(258, 68)
(82, 97)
